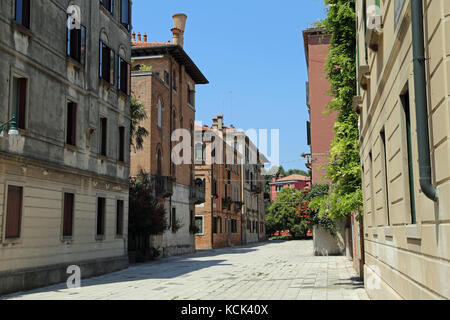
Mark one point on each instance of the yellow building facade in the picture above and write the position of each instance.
(406, 214)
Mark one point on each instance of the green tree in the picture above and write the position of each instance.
(282, 214)
(137, 133)
(343, 170)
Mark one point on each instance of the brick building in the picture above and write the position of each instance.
(218, 219)
(321, 126)
(295, 181)
(64, 160)
(163, 80)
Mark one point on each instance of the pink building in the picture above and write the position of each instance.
(321, 126)
(294, 181)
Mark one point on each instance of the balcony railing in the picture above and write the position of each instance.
(163, 186)
(197, 194)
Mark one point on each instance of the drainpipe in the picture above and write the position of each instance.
(423, 139)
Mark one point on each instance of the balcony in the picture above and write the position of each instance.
(255, 188)
(226, 203)
(364, 76)
(163, 186)
(238, 206)
(197, 194)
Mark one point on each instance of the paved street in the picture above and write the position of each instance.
(269, 271)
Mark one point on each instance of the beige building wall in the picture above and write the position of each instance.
(404, 260)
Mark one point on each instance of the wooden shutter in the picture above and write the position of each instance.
(71, 123)
(25, 13)
(121, 144)
(83, 45)
(68, 214)
(101, 216)
(112, 63)
(104, 136)
(21, 112)
(119, 223)
(14, 212)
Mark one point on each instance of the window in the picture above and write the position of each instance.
(103, 136)
(108, 4)
(234, 226)
(23, 12)
(199, 225)
(76, 44)
(14, 212)
(68, 214)
(215, 219)
(200, 149)
(159, 114)
(71, 127)
(385, 176)
(166, 77)
(191, 96)
(159, 162)
(101, 216)
(106, 66)
(308, 132)
(406, 110)
(123, 76)
(119, 218)
(122, 144)
(220, 223)
(19, 100)
(174, 85)
(173, 216)
(125, 11)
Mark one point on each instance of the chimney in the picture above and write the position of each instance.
(179, 21)
(215, 123)
(145, 37)
(139, 37)
(134, 36)
(220, 122)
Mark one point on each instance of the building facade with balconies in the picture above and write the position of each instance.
(64, 157)
(163, 81)
(404, 102)
(218, 221)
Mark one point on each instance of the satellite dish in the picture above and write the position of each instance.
(74, 20)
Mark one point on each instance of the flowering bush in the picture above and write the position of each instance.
(146, 215)
(310, 216)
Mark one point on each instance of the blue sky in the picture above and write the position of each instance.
(253, 49)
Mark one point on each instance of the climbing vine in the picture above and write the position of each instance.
(343, 170)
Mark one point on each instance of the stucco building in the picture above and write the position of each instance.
(295, 181)
(320, 128)
(163, 81)
(404, 103)
(64, 151)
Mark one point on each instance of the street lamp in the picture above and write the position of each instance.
(13, 131)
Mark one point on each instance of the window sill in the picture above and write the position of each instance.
(123, 95)
(102, 158)
(71, 147)
(105, 84)
(67, 240)
(74, 63)
(121, 163)
(106, 11)
(119, 237)
(15, 26)
(12, 241)
(100, 238)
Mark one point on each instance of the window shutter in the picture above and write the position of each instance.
(119, 222)
(104, 136)
(128, 91)
(121, 144)
(68, 214)
(112, 60)
(22, 102)
(14, 212)
(26, 13)
(100, 69)
(83, 45)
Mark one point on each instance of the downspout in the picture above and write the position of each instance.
(423, 138)
(171, 129)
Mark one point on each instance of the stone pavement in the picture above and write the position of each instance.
(267, 271)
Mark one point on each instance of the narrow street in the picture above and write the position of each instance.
(268, 271)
